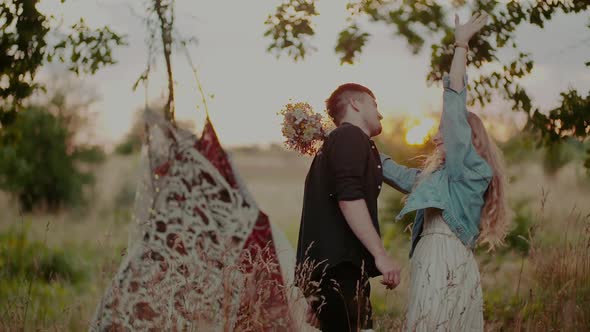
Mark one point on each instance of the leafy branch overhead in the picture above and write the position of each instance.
(426, 22)
(85, 49)
(30, 39)
(291, 28)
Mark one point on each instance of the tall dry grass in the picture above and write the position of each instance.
(547, 290)
(558, 297)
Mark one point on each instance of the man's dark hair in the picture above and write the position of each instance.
(335, 104)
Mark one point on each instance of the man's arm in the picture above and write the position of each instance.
(358, 218)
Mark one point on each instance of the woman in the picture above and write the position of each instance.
(459, 199)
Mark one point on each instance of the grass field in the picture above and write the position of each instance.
(548, 288)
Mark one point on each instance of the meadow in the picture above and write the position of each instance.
(55, 267)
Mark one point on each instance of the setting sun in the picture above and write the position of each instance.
(419, 134)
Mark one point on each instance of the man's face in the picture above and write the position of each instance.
(370, 114)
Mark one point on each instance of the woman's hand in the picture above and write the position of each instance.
(464, 32)
(389, 269)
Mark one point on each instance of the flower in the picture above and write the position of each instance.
(303, 129)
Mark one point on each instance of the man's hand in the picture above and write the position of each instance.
(464, 32)
(389, 269)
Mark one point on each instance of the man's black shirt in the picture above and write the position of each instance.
(346, 168)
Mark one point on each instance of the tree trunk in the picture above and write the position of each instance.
(166, 25)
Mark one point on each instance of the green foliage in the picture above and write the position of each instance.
(558, 298)
(130, 145)
(350, 43)
(525, 145)
(394, 205)
(291, 27)
(499, 308)
(567, 121)
(22, 47)
(405, 17)
(424, 20)
(37, 283)
(24, 306)
(25, 47)
(22, 259)
(513, 148)
(518, 238)
(556, 156)
(87, 50)
(39, 165)
(134, 139)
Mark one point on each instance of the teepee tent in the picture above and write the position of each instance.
(201, 254)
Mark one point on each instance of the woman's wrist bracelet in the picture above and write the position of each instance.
(462, 45)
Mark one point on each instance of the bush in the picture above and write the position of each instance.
(519, 148)
(517, 239)
(393, 228)
(40, 165)
(130, 145)
(556, 156)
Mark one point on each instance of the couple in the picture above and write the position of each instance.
(458, 195)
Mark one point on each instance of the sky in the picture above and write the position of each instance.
(249, 85)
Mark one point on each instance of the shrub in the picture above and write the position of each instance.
(39, 164)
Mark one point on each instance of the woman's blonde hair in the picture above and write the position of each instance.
(495, 216)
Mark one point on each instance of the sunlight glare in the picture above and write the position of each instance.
(419, 134)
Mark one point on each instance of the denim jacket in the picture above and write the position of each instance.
(457, 187)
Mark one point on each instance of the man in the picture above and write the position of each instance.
(339, 231)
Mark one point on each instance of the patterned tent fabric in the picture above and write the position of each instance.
(201, 254)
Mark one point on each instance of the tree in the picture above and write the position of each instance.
(44, 154)
(39, 163)
(25, 47)
(569, 121)
(291, 30)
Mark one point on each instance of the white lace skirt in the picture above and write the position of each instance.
(445, 290)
